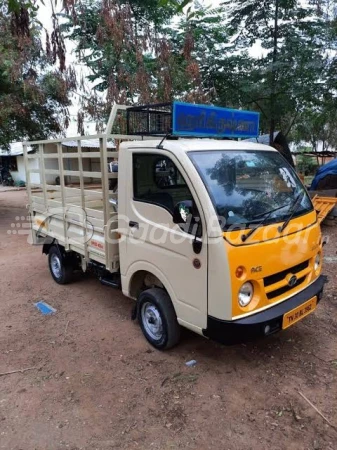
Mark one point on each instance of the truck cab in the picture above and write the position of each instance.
(208, 222)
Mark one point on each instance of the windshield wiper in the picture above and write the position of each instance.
(267, 214)
(293, 209)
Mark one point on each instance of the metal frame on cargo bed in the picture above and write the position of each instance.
(73, 205)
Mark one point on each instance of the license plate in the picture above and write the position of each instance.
(298, 313)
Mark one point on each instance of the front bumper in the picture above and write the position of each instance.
(248, 328)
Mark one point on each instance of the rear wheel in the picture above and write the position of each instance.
(61, 267)
(158, 319)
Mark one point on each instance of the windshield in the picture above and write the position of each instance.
(247, 187)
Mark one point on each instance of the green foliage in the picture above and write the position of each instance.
(142, 51)
(123, 47)
(206, 55)
(198, 45)
(177, 5)
(294, 71)
(33, 97)
(305, 164)
(14, 6)
(318, 125)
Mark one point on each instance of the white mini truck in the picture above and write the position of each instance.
(214, 234)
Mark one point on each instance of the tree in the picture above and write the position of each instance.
(34, 96)
(304, 163)
(177, 5)
(136, 53)
(317, 126)
(122, 45)
(292, 72)
(148, 57)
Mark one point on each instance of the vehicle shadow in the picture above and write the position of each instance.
(273, 349)
(278, 349)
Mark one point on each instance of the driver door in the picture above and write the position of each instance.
(161, 246)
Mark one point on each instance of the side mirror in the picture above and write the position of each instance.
(181, 211)
(183, 215)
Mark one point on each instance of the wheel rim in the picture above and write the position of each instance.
(152, 321)
(56, 267)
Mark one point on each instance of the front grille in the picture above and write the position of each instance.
(284, 289)
(276, 277)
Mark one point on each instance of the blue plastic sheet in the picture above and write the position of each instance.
(328, 169)
(44, 308)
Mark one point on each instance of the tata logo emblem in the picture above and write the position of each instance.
(292, 280)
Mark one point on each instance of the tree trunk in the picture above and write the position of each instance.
(273, 76)
(315, 150)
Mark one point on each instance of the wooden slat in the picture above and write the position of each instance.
(76, 173)
(42, 174)
(106, 204)
(39, 200)
(29, 192)
(323, 206)
(62, 184)
(72, 191)
(92, 175)
(38, 209)
(125, 137)
(90, 212)
(72, 173)
(84, 155)
(52, 171)
(112, 155)
(60, 140)
(50, 156)
(53, 187)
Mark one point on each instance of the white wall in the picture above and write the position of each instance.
(20, 174)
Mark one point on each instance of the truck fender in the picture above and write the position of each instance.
(48, 243)
(142, 266)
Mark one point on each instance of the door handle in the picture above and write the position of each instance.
(133, 224)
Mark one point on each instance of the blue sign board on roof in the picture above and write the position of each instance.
(212, 121)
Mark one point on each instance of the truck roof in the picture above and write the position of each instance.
(183, 144)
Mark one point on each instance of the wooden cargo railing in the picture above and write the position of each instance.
(93, 201)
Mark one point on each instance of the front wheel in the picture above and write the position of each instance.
(158, 319)
(60, 268)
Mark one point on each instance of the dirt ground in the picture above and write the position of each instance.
(97, 384)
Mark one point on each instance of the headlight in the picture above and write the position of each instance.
(245, 294)
(317, 261)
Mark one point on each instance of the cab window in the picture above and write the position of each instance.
(157, 180)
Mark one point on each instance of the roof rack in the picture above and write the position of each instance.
(149, 120)
(190, 120)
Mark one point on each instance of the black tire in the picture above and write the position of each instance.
(156, 305)
(61, 267)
